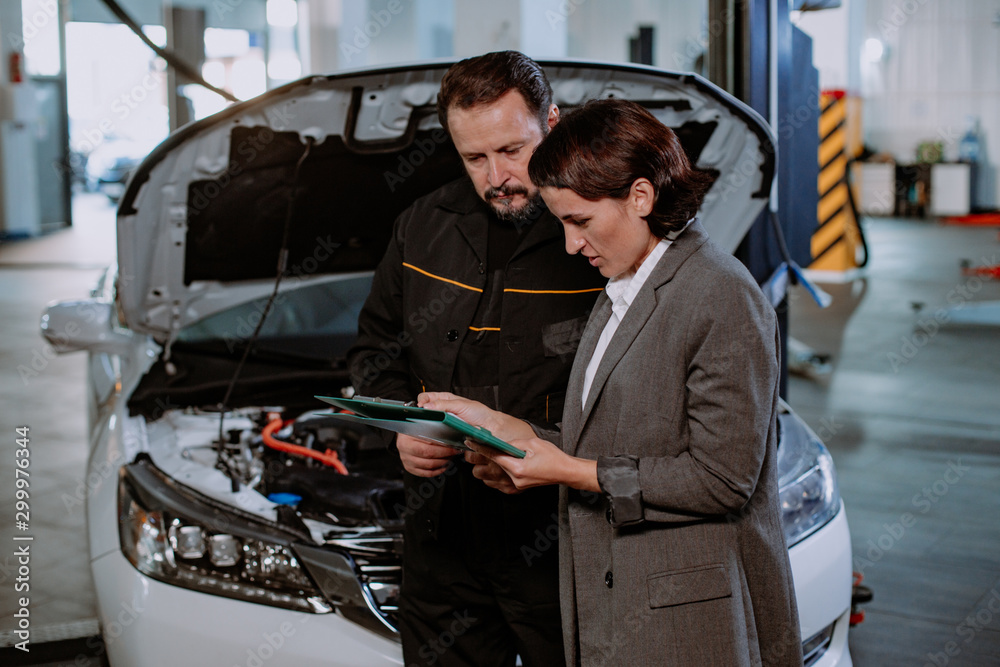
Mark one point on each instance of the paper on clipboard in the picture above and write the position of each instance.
(434, 425)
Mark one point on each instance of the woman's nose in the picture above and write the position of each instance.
(574, 242)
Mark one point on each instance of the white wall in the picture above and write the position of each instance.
(942, 64)
(344, 34)
(837, 35)
(600, 30)
(245, 14)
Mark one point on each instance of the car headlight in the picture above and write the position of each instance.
(807, 481)
(174, 535)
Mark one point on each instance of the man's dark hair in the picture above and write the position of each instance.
(600, 149)
(485, 79)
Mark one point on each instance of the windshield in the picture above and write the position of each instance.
(318, 321)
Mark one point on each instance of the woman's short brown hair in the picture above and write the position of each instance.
(600, 149)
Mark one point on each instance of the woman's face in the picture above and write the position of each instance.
(610, 233)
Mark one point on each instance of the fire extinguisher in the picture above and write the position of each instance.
(14, 70)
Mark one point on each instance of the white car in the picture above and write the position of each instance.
(229, 537)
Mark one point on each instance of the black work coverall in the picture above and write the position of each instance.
(480, 579)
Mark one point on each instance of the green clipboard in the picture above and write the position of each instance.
(434, 425)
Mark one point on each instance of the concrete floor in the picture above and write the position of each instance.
(911, 413)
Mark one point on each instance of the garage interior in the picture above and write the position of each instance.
(900, 373)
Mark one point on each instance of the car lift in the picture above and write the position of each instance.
(859, 595)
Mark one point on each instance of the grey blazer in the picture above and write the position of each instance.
(681, 560)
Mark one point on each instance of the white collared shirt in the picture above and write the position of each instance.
(622, 292)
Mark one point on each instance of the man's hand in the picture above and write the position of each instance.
(422, 458)
(490, 472)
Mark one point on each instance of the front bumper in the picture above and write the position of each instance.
(146, 623)
(821, 569)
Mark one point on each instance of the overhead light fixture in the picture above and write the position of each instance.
(282, 13)
(874, 49)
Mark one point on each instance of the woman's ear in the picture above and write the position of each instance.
(642, 196)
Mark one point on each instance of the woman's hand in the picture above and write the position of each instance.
(499, 424)
(543, 464)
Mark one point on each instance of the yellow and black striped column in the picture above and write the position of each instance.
(835, 239)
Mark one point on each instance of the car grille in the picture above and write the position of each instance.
(377, 557)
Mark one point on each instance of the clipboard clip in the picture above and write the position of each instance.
(386, 401)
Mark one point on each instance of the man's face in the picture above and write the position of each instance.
(495, 142)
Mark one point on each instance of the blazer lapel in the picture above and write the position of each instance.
(638, 314)
(572, 418)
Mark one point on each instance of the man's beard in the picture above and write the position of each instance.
(527, 213)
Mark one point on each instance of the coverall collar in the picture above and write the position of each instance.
(474, 223)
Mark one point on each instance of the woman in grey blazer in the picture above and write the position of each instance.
(670, 540)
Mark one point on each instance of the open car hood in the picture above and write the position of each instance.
(201, 223)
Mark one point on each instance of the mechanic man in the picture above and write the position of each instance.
(477, 295)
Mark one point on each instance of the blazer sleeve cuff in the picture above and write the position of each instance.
(618, 477)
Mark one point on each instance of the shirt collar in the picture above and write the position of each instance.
(622, 291)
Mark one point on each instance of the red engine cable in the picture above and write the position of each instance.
(329, 458)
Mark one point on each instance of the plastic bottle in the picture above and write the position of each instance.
(968, 147)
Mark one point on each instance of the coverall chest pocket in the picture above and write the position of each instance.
(561, 339)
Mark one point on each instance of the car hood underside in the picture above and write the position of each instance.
(202, 223)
